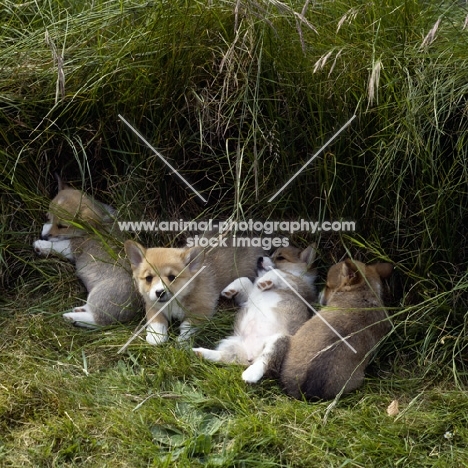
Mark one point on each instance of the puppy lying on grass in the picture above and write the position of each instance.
(269, 309)
(99, 264)
(316, 363)
(163, 273)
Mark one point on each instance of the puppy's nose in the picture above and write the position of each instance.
(160, 293)
(44, 237)
(260, 263)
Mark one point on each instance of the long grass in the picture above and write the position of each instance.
(238, 96)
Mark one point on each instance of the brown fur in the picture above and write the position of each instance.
(290, 254)
(315, 363)
(73, 206)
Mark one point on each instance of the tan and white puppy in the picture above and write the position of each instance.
(174, 285)
(316, 363)
(99, 262)
(275, 305)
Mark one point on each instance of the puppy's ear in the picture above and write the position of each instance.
(135, 253)
(193, 258)
(308, 255)
(350, 272)
(384, 270)
(61, 185)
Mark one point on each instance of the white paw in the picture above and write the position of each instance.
(156, 333)
(186, 331)
(228, 293)
(60, 247)
(210, 354)
(81, 317)
(254, 372)
(264, 285)
(239, 288)
(269, 280)
(42, 247)
(233, 288)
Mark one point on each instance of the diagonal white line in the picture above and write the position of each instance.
(336, 332)
(125, 346)
(159, 155)
(312, 158)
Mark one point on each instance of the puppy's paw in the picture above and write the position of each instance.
(42, 247)
(269, 280)
(57, 247)
(265, 284)
(156, 333)
(228, 293)
(199, 351)
(186, 331)
(254, 372)
(210, 354)
(238, 289)
(155, 339)
(81, 317)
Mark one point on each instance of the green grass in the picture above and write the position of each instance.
(237, 96)
(68, 400)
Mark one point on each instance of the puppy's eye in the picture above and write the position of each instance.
(171, 278)
(61, 226)
(148, 279)
(279, 257)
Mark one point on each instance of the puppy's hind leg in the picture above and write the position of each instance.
(262, 364)
(229, 350)
(102, 307)
(210, 354)
(81, 317)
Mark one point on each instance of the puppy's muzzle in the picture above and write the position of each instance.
(161, 295)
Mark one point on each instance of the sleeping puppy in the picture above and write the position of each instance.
(316, 363)
(99, 262)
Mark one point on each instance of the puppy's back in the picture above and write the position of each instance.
(318, 363)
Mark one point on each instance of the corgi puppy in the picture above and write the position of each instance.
(174, 285)
(316, 363)
(99, 264)
(271, 307)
